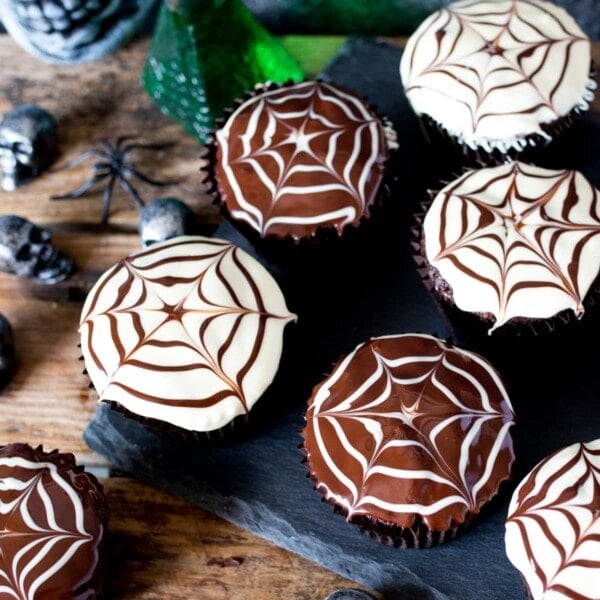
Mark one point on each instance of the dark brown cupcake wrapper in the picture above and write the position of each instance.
(233, 432)
(326, 240)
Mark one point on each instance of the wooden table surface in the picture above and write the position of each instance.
(161, 546)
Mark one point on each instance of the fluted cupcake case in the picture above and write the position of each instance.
(299, 167)
(409, 437)
(513, 249)
(553, 524)
(185, 337)
(54, 526)
(498, 79)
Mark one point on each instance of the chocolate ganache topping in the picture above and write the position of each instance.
(553, 525)
(492, 73)
(188, 332)
(406, 428)
(516, 240)
(53, 520)
(297, 158)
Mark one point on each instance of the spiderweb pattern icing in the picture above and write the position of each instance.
(47, 545)
(292, 159)
(553, 525)
(189, 331)
(516, 240)
(408, 425)
(492, 73)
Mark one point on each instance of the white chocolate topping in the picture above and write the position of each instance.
(188, 331)
(516, 240)
(493, 72)
(553, 525)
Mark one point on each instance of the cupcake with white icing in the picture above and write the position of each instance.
(498, 77)
(553, 525)
(185, 336)
(513, 248)
(299, 165)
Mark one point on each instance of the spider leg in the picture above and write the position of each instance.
(132, 172)
(121, 140)
(79, 159)
(127, 187)
(81, 190)
(106, 198)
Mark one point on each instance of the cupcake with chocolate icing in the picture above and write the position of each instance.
(553, 525)
(498, 77)
(409, 438)
(53, 526)
(299, 165)
(512, 248)
(185, 337)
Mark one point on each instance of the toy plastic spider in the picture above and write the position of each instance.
(114, 165)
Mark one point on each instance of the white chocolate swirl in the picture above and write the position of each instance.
(516, 240)
(48, 539)
(408, 426)
(189, 332)
(492, 73)
(301, 157)
(553, 525)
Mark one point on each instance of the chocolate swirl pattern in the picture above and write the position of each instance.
(408, 427)
(553, 525)
(292, 159)
(516, 240)
(189, 332)
(493, 74)
(49, 537)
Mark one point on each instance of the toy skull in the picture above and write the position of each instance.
(163, 219)
(28, 141)
(26, 251)
(7, 351)
(69, 31)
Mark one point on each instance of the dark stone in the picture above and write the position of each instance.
(261, 483)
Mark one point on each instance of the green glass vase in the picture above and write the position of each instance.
(204, 54)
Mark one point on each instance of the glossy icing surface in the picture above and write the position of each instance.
(298, 158)
(406, 426)
(50, 527)
(493, 72)
(188, 331)
(516, 240)
(553, 525)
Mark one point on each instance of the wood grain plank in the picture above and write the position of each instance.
(161, 546)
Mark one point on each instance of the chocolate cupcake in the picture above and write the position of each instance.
(185, 336)
(513, 248)
(498, 78)
(53, 526)
(299, 165)
(553, 525)
(409, 437)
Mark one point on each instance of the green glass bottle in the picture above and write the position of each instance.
(206, 53)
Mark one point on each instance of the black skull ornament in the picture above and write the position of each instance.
(163, 219)
(26, 250)
(28, 144)
(70, 31)
(7, 351)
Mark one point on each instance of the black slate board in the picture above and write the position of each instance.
(260, 483)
